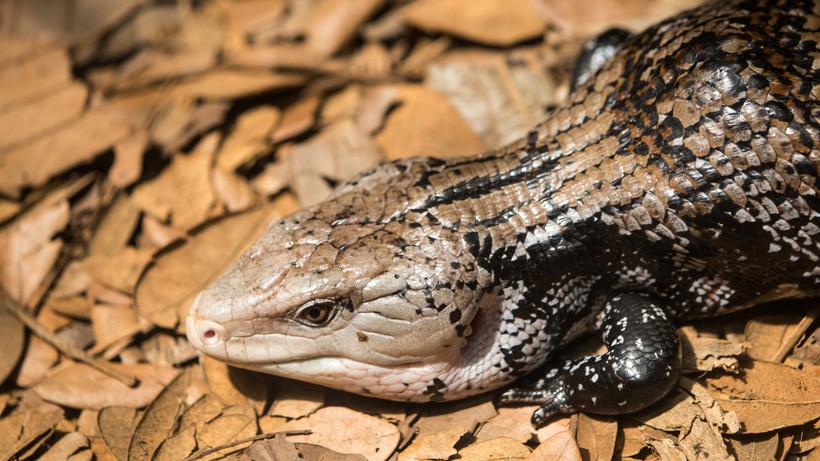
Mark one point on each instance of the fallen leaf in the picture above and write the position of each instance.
(13, 334)
(463, 414)
(248, 138)
(559, 447)
(438, 445)
(515, 425)
(121, 270)
(111, 323)
(28, 75)
(234, 84)
(183, 192)
(34, 163)
(347, 431)
(667, 450)
(234, 386)
(765, 334)
(233, 191)
(24, 122)
(276, 449)
(177, 446)
(30, 248)
(25, 431)
(159, 418)
(297, 399)
(768, 396)
(39, 358)
(168, 287)
(492, 22)
(754, 447)
(297, 118)
(501, 449)
(77, 385)
(236, 422)
(707, 354)
(115, 228)
(426, 124)
(703, 442)
(310, 451)
(333, 22)
(67, 446)
(128, 157)
(338, 152)
(596, 436)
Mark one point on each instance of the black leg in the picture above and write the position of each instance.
(641, 365)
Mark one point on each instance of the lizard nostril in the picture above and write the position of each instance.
(209, 334)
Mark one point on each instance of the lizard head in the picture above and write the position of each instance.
(336, 296)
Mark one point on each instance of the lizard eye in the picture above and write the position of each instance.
(315, 313)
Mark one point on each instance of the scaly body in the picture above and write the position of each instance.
(680, 181)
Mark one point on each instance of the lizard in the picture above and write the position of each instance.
(679, 181)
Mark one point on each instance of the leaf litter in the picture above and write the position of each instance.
(176, 132)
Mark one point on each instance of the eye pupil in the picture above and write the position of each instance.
(315, 314)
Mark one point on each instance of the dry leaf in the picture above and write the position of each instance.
(707, 354)
(183, 191)
(426, 124)
(25, 431)
(276, 449)
(754, 447)
(112, 323)
(234, 386)
(34, 73)
(121, 270)
(310, 451)
(30, 248)
(177, 446)
(338, 152)
(80, 141)
(234, 84)
(596, 436)
(128, 157)
(438, 445)
(334, 22)
(347, 431)
(508, 423)
(492, 22)
(115, 228)
(500, 98)
(559, 447)
(236, 422)
(248, 138)
(67, 446)
(768, 396)
(40, 356)
(704, 442)
(13, 334)
(501, 449)
(297, 118)
(77, 385)
(22, 123)
(765, 334)
(168, 287)
(463, 414)
(297, 399)
(233, 191)
(159, 418)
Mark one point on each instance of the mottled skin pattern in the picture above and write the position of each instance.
(680, 181)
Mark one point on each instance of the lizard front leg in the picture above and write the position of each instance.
(641, 365)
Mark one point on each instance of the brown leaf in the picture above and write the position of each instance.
(426, 124)
(508, 423)
(765, 334)
(236, 422)
(297, 118)
(32, 74)
(297, 399)
(128, 155)
(310, 451)
(80, 141)
(40, 356)
(168, 287)
(596, 436)
(333, 22)
(159, 418)
(559, 447)
(234, 386)
(438, 445)
(501, 448)
(177, 446)
(754, 447)
(463, 414)
(120, 271)
(115, 228)
(111, 323)
(347, 431)
(492, 22)
(67, 446)
(768, 396)
(248, 138)
(234, 84)
(25, 430)
(500, 98)
(593, 16)
(707, 354)
(276, 449)
(704, 442)
(24, 122)
(30, 248)
(77, 385)
(182, 192)
(338, 152)
(233, 191)
(13, 334)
